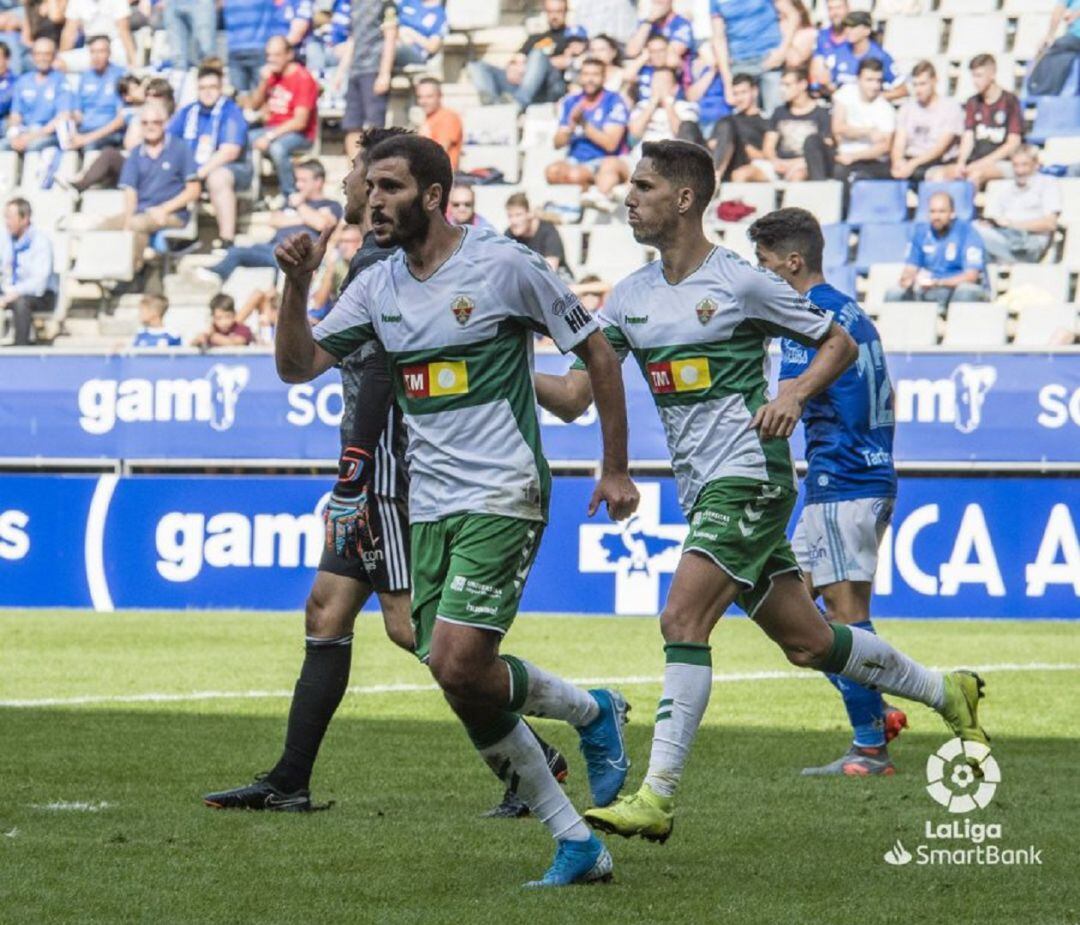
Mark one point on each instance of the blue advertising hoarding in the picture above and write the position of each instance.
(958, 546)
(950, 407)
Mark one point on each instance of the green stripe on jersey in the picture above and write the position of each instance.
(344, 342)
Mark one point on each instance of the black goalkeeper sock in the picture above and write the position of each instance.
(319, 689)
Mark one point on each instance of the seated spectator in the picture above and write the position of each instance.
(249, 25)
(708, 92)
(422, 27)
(663, 21)
(225, 330)
(536, 73)
(592, 127)
(1021, 216)
(536, 234)
(152, 332)
(858, 46)
(331, 276)
(739, 139)
(639, 72)
(7, 86)
(41, 19)
(308, 210)
(214, 129)
(288, 97)
(927, 128)
(863, 125)
(39, 104)
(159, 180)
(29, 281)
(799, 37)
(1057, 56)
(993, 129)
(462, 210)
(829, 40)
(367, 62)
(191, 25)
(945, 260)
(441, 125)
(798, 145)
(96, 106)
(661, 116)
(330, 36)
(604, 48)
(111, 18)
(746, 39)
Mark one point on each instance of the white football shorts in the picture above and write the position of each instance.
(838, 540)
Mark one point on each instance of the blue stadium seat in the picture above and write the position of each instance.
(878, 201)
(1055, 116)
(841, 277)
(881, 243)
(962, 192)
(836, 244)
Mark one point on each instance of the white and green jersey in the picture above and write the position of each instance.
(702, 346)
(459, 346)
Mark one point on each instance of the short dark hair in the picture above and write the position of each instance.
(223, 303)
(314, 167)
(743, 79)
(593, 62)
(210, 69)
(100, 37)
(371, 137)
(684, 164)
(517, 201)
(428, 162)
(871, 64)
(612, 42)
(22, 206)
(801, 73)
(428, 79)
(923, 67)
(791, 231)
(983, 60)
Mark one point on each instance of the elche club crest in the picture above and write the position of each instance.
(462, 307)
(706, 308)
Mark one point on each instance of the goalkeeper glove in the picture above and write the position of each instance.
(347, 512)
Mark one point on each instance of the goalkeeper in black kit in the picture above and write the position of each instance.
(367, 550)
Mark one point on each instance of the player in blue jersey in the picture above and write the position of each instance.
(850, 485)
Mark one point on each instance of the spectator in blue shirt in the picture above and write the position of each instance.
(860, 45)
(422, 27)
(7, 86)
(40, 101)
(295, 23)
(746, 39)
(639, 72)
(96, 106)
(29, 280)
(592, 127)
(249, 25)
(945, 260)
(679, 32)
(216, 133)
(152, 331)
(191, 26)
(159, 179)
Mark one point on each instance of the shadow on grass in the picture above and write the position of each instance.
(753, 843)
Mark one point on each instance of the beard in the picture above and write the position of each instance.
(412, 226)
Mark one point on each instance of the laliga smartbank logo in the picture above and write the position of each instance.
(953, 782)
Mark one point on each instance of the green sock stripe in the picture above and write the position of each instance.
(665, 702)
(487, 734)
(519, 682)
(665, 715)
(838, 656)
(688, 653)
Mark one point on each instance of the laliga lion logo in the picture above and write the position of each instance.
(971, 384)
(226, 384)
(954, 783)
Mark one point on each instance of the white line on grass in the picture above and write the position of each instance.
(76, 806)
(625, 681)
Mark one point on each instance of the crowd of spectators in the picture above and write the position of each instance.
(776, 97)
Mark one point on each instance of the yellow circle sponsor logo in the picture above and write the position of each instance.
(446, 378)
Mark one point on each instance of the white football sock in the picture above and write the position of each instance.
(536, 692)
(877, 665)
(687, 685)
(519, 761)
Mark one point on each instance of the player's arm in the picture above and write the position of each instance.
(298, 357)
(835, 353)
(567, 396)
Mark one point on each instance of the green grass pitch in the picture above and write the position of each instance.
(753, 843)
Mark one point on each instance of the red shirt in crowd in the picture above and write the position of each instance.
(285, 92)
(992, 122)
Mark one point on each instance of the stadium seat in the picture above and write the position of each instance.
(491, 125)
(504, 158)
(878, 201)
(573, 246)
(1037, 325)
(823, 198)
(1062, 150)
(9, 170)
(1006, 76)
(491, 201)
(762, 196)
(612, 252)
(903, 33)
(1052, 278)
(974, 35)
(563, 199)
(887, 9)
(736, 239)
(535, 161)
(962, 192)
(187, 321)
(966, 7)
(837, 244)
(105, 255)
(50, 206)
(972, 325)
(1055, 116)
(905, 325)
(35, 167)
(881, 278)
(1030, 31)
(1070, 256)
(1069, 187)
(842, 277)
(1027, 7)
(880, 243)
(101, 203)
(245, 280)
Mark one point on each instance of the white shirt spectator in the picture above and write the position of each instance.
(98, 17)
(1038, 198)
(878, 115)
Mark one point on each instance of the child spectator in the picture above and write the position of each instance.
(225, 330)
(152, 331)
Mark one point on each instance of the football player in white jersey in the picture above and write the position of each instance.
(698, 322)
(455, 310)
